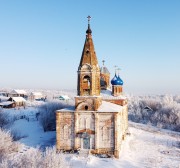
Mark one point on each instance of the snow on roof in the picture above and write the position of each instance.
(65, 97)
(68, 109)
(109, 107)
(148, 108)
(105, 107)
(36, 93)
(106, 94)
(17, 91)
(6, 103)
(18, 99)
(4, 98)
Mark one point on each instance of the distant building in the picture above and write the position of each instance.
(105, 76)
(94, 124)
(36, 96)
(7, 104)
(18, 101)
(18, 93)
(147, 109)
(5, 94)
(3, 98)
(64, 97)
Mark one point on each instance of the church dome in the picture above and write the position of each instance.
(119, 81)
(104, 70)
(113, 81)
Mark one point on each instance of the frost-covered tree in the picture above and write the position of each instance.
(7, 145)
(165, 110)
(34, 158)
(47, 117)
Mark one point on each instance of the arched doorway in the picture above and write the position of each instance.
(85, 141)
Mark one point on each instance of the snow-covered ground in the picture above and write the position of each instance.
(145, 147)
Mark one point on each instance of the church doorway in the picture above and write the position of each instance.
(86, 143)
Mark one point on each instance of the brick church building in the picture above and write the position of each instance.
(99, 120)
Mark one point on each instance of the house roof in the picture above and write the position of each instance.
(64, 97)
(17, 91)
(18, 99)
(148, 108)
(4, 98)
(6, 103)
(36, 93)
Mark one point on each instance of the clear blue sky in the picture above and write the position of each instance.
(41, 42)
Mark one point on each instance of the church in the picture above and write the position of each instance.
(98, 122)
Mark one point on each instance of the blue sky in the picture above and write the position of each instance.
(41, 42)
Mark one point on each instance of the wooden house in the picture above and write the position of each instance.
(18, 101)
(36, 96)
(18, 93)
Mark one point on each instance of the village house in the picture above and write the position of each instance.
(36, 96)
(95, 124)
(17, 101)
(18, 93)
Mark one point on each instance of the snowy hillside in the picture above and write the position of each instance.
(146, 146)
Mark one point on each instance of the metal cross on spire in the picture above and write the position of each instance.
(119, 70)
(103, 61)
(89, 18)
(115, 68)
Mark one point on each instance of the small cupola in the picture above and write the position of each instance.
(105, 77)
(117, 83)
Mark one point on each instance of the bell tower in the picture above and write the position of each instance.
(88, 84)
(88, 71)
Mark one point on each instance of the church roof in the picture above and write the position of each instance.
(104, 108)
(109, 107)
(88, 54)
(104, 70)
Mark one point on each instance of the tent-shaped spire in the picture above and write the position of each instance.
(88, 54)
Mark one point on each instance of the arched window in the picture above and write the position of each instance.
(86, 107)
(105, 133)
(87, 123)
(86, 85)
(66, 132)
(80, 123)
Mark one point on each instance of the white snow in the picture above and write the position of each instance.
(107, 94)
(18, 91)
(18, 99)
(6, 103)
(109, 107)
(3, 98)
(147, 146)
(34, 134)
(36, 93)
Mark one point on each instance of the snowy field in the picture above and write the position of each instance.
(145, 147)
